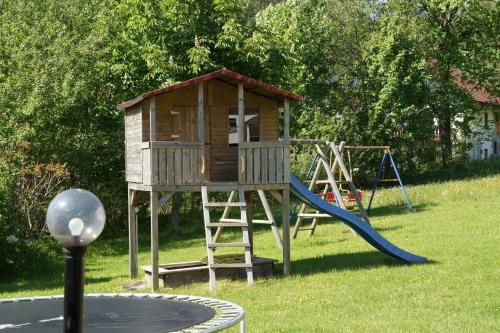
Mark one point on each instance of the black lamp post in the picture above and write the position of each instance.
(75, 218)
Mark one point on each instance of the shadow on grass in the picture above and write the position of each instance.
(397, 209)
(384, 229)
(345, 261)
(43, 282)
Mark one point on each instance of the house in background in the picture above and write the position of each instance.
(484, 138)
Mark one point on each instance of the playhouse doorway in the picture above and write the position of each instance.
(183, 123)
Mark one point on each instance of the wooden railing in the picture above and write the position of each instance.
(172, 163)
(264, 163)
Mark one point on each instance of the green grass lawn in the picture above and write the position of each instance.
(339, 282)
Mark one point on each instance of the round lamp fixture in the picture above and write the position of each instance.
(75, 217)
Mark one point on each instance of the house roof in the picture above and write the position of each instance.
(226, 76)
(479, 94)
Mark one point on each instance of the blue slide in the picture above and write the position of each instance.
(361, 227)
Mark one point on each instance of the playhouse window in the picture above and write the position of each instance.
(252, 124)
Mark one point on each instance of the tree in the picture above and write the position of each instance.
(452, 34)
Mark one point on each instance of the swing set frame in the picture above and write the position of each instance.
(378, 180)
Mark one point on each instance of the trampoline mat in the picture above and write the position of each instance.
(105, 314)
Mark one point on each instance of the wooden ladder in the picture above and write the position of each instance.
(212, 243)
(267, 208)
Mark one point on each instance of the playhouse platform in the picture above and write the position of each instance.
(176, 274)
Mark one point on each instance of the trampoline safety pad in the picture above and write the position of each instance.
(124, 313)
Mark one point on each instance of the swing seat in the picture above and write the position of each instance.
(350, 196)
(330, 197)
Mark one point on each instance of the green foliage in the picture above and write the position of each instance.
(363, 67)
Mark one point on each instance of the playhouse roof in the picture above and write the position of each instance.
(226, 76)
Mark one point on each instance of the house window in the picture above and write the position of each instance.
(486, 120)
(252, 124)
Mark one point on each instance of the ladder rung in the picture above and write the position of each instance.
(306, 228)
(237, 265)
(212, 245)
(230, 220)
(326, 181)
(308, 215)
(388, 180)
(225, 204)
(226, 224)
(261, 222)
(253, 221)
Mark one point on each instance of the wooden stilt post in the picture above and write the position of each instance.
(285, 214)
(154, 240)
(132, 236)
(285, 204)
(136, 218)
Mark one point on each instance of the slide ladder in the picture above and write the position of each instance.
(212, 243)
(329, 183)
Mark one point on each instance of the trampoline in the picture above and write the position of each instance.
(124, 313)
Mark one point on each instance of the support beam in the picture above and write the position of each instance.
(347, 177)
(152, 119)
(276, 195)
(154, 240)
(241, 134)
(164, 199)
(225, 215)
(285, 213)
(286, 122)
(270, 218)
(200, 120)
(132, 236)
(241, 114)
(331, 177)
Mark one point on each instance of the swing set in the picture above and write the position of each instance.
(386, 157)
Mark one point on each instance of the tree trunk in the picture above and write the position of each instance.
(445, 138)
(176, 212)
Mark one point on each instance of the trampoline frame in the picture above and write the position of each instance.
(226, 314)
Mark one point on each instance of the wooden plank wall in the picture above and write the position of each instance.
(266, 163)
(172, 165)
(133, 141)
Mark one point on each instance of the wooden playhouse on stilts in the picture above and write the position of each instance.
(214, 133)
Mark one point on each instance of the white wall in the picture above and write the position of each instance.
(483, 140)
